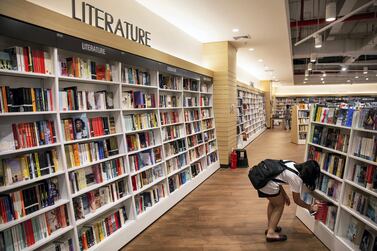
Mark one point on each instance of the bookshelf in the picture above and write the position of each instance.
(251, 115)
(348, 174)
(126, 138)
(300, 123)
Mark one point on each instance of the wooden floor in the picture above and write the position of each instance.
(224, 213)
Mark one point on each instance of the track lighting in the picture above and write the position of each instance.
(331, 11)
(313, 57)
(322, 79)
(310, 66)
(365, 70)
(318, 41)
(344, 68)
(306, 73)
(324, 74)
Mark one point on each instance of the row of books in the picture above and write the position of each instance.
(190, 101)
(329, 162)
(25, 99)
(147, 177)
(329, 186)
(140, 140)
(205, 87)
(85, 68)
(179, 179)
(169, 117)
(365, 147)
(327, 214)
(303, 106)
(86, 153)
(176, 163)
(194, 140)
(191, 115)
(363, 204)
(364, 175)
(303, 120)
(28, 134)
(145, 158)
(193, 127)
(207, 124)
(70, 99)
(18, 204)
(96, 174)
(138, 99)
(361, 236)
(190, 84)
(208, 135)
(149, 197)
(169, 82)
(174, 147)
(91, 201)
(211, 146)
(62, 244)
(330, 137)
(171, 132)
(95, 232)
(367, 118)
(26, 234)
(206, 113)
(26, 59)
(79, 127)
(303, 114)
(204, 101)
(140, 121)
(196, 153)
(303, 128)
(28, 166)
(135, 76)
(333, 115)
(169, 101)
(212, 158)
(196, 168)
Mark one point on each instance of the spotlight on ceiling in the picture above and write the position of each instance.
(304, 82)
(348, 80)
(344, 68)
(260, 60)
(251, 49)
(322, 79)
(306, 73)
(323, 82)
(366, 79)
(318, 41)
(356, 76)
(310, 66)
(365, 70)
(324, 74)
(331, 11)
(235, 30)
(306, 79)
(313, 57)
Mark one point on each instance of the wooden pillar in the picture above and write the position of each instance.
(220, 57)
(267, 89)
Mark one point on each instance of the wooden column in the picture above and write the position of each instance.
(220, 57)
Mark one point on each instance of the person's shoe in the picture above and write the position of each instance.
(277, 230)
(282, 237)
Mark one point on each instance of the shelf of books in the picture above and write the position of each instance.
(94, 147)
(343, 141)
(251, 116)
(300, 123)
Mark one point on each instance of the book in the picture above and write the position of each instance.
(366, 241)
(353, 230)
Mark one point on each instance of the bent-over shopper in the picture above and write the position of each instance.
(269, 176)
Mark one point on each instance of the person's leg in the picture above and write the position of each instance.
(277, 204)
(269, 212)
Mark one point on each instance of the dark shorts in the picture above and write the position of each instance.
(264, 195)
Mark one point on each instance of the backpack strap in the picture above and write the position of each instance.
(284, 162)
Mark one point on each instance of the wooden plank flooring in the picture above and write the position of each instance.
(224, 213)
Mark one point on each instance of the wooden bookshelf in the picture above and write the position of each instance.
(197, 135)
(300, 123)
(352, 179)
(251, 115)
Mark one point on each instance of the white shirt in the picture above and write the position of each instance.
(290, 178)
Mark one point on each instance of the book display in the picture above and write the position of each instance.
(94, 147)
(342, 139)
(300, 123)
(251, 116)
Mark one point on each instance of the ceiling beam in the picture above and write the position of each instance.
(335, 22)
(346, 8)
(369, 45)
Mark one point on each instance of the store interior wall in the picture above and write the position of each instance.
(165, 37)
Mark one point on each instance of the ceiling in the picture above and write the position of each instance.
(213, 20)
(350, 44)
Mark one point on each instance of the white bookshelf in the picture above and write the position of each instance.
(251, 116)
(336, 239)
(300, 123)
(136, 223)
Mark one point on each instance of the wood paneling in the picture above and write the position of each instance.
(225, 214)
(34, 14)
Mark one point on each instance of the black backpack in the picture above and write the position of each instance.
(267, 170)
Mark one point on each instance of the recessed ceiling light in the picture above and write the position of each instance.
(324, 74)
(251, 49)
(304, 82)
(235, 30)
(356, 76)
(260, 60)
(367, 79)
(348, 80)
(323, 82)
(322, 79)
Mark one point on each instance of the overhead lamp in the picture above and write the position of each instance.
(318, 41)
(344, 68)
(304, 82)
(306, 79)
(323, 82)
(235, 30)
(251, 49)
(306, 73)
(310, 66)
(260, 60)
(322, 79)
(356, 76)
(365, 70)
(348, 80)
(324, 74)
(313, 57)
(331, 11)
(366, 79)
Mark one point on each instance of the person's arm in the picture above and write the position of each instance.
(297, 199)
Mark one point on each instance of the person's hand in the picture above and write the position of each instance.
(313, 208)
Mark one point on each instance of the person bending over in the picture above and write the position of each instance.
(294, 175)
